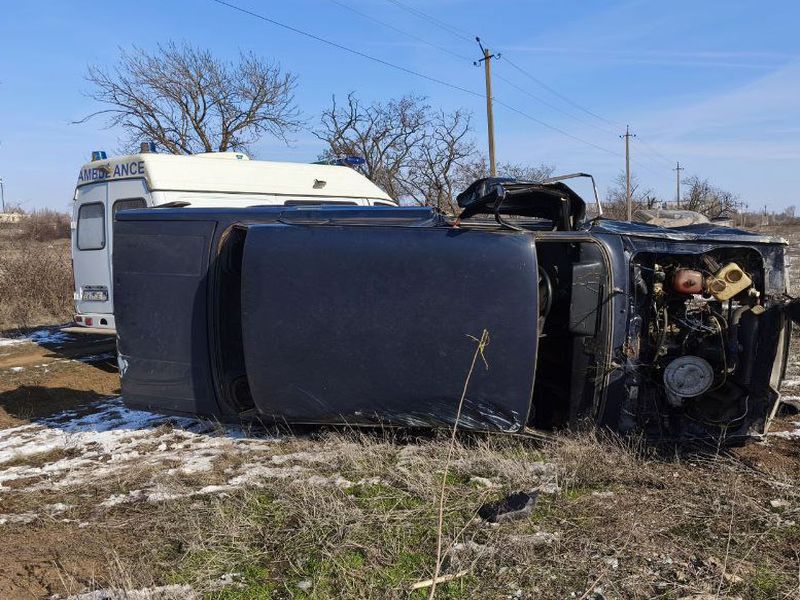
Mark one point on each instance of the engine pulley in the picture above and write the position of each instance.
(688, 376)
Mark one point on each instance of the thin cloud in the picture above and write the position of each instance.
(699, 59)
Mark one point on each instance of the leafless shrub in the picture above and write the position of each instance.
(703, 197)
(478, 168)
(35, 283)
(44, 225)
(615, 205)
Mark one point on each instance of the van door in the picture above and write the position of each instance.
(378, 325)
(90, 245)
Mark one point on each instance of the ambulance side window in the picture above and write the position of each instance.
(92, 226)
(127, 204)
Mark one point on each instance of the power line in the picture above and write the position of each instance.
(586, 110)
(459, 33)
(463, 35)
(401, 32)
(348, 49)
(559, 94)
(582, 108)
(552, 106)
(584, 121)
(409, 72)
(646, 167)
(553, 127)
(655, 152)
(652, 150)
(466, 58)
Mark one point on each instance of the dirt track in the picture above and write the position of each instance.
(37, 381)
(60, 372)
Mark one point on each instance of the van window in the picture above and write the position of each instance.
(92, 226)
(127, 204)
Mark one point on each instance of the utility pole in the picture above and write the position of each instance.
(628, 200)
(678, 170)
(487, 66)
(2, 195)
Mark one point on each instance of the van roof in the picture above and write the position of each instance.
(232, 173)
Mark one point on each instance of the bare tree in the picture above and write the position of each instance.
(788, 215)
(187, 101)
(526, 172)
(616, 201)
(412, 152)
(478, 168)
(433, 175)
(703, 197)
(385, 134)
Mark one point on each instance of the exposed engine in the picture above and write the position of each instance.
(694, 338)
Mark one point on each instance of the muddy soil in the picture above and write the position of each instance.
(37, 381)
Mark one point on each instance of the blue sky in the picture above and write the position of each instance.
(713, 84)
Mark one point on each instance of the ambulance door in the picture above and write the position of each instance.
(90, 246)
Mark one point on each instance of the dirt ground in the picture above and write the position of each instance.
(95, 496)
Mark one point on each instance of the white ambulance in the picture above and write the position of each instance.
(107, 185)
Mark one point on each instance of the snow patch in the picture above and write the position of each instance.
(20, 519)
(787, 435)
(110, 439)
(40, 336)
(169, 457)
(167, 592)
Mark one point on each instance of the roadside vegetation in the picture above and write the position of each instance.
(611, 522)
(35, 271)
(357, 519)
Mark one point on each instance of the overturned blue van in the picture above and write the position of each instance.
(368, 316)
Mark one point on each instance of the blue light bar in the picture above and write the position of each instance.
(99, 155)
(347, 161)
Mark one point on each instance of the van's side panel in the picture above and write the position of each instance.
(160, 279)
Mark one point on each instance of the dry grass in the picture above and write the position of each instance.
(44, 225)
(41, 459)
(35, 283)
(613, 521)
